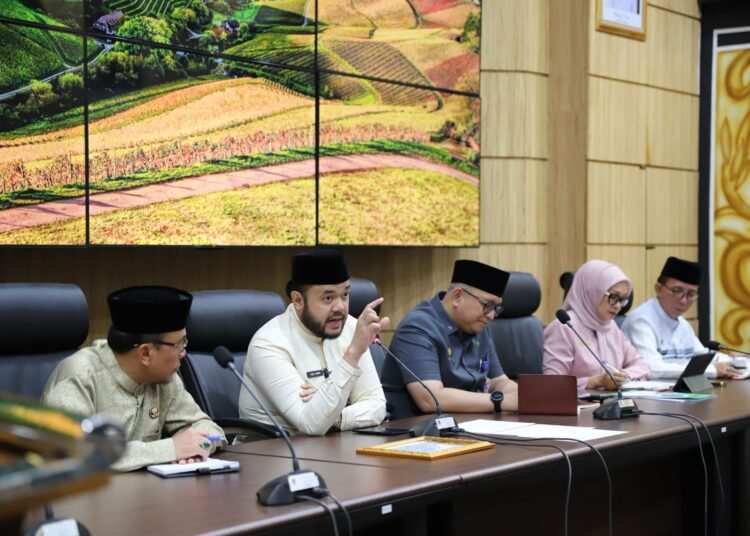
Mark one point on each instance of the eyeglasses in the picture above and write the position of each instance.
(615, 299)
(487, 306)
(680, 293)
(179, 345)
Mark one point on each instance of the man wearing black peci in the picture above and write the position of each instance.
(444, 342)
(658, 330)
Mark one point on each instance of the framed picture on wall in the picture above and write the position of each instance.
(622, 17)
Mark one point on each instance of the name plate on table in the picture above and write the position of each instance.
(427, 448)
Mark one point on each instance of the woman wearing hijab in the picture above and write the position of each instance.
(599, 291)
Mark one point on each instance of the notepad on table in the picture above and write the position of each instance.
(209, 466)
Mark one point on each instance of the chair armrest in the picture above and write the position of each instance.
(247, 427)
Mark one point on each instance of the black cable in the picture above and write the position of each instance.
(593, 449)
(564, 454)
(686, 417)
(683, 417)
(327, 492)
(326, 508)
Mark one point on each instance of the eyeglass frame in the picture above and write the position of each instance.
(179, 345)
(690, 295)
(487, 305)
(615, 299)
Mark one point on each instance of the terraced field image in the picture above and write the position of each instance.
(233, 122)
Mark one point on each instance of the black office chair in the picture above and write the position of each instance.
(566, 280)
(516, 333)
(40, 325)
(362, 292)
(225, 318)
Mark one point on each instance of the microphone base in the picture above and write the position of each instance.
(284, 489)
(433, 427)
(616, 408)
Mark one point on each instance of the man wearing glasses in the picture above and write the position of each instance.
(132, 376)
(660, 333)
(444, 342)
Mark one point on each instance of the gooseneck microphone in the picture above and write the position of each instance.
(716, 346)
(436, 424)
(609, 409)
(281, 490)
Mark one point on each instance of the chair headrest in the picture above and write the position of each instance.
(566, 280)
(522, 295)
(229, 317)
(42, 318)
(362, 292)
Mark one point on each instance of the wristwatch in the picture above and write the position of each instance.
(497, 400)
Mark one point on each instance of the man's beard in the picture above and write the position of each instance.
(318, 328)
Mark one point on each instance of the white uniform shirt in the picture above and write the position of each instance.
(282, 354)
(665, 343)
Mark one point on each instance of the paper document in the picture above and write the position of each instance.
(535, 431)
(582, 433)
(486, 426)
(647, 385)
(209, 466)
(668, 395)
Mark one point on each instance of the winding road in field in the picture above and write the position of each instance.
(56, 211)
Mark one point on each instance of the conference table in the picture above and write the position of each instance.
(656, 472)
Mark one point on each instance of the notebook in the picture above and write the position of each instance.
(544, 394)
(209, 466)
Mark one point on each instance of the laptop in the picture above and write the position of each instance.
(544, 394)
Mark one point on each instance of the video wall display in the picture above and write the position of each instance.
(238, 122)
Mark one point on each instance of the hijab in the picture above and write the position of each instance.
(590, 282)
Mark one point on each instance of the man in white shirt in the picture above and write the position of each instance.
(660, 333)
(311, 365)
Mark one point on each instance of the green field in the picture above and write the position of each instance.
(423, 208)
(33, 53)
(432, 209)
(274, 214)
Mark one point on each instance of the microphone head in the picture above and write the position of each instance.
(563, 316)
(223, 356)
(714, 346)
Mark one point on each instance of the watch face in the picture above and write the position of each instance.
(497, 396)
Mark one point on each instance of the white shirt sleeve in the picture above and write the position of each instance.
(643, 338)
(367, 400)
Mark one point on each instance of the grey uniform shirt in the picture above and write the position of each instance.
(91, 381)
(434, 348)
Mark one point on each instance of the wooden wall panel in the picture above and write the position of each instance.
(568, 126)
(632, 261)
(616, 204)
(614, 56)
(686, 7)
(617, 121)
(672, 201)
(672, 51)
(514, 35)
(513, 201)
(514, 115)
(672, 129)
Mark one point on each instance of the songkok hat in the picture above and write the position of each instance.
(481, 276)
(685, 271)
(149, 309)
(319, 267)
